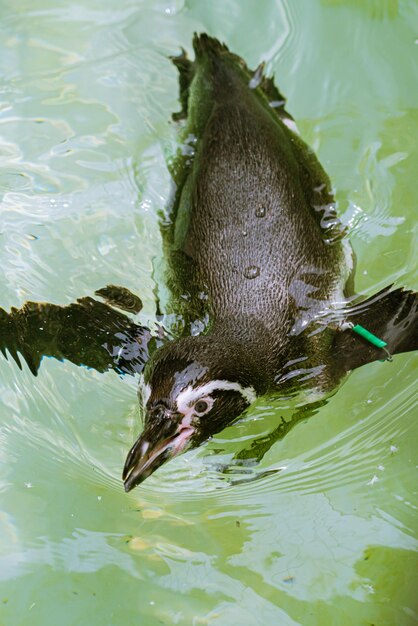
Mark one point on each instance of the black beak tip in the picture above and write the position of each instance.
(129, 483)
(133, 481)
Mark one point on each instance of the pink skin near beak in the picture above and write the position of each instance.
(143, 461)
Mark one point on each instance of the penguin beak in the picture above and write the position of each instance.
(156, 445)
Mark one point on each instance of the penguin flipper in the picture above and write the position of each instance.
(391, 316)
(86, 332)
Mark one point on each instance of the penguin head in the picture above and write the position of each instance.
(191, 391)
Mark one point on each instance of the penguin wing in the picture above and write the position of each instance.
(391, 316)
(87, 332)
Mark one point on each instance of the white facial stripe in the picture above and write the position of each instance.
(189, 395)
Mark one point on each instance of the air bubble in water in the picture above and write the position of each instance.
(260, 211)
(252, 272)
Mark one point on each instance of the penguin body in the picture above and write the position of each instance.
(256, 248)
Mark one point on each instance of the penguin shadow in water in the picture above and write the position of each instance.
(257, 260)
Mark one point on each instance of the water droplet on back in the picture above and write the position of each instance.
(260, 211)
(252, 271)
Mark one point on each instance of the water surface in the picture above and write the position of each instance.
(327, 534)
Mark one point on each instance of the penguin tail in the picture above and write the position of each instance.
(391, 316)
(207, 48)
(205, 45)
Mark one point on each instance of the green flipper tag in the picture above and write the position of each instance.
(366, 334)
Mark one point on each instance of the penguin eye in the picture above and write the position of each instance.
(201, 407)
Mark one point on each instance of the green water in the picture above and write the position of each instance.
(86, 93)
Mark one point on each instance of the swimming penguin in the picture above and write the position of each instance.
(260, 271)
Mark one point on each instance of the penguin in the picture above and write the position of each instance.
(259, 266)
